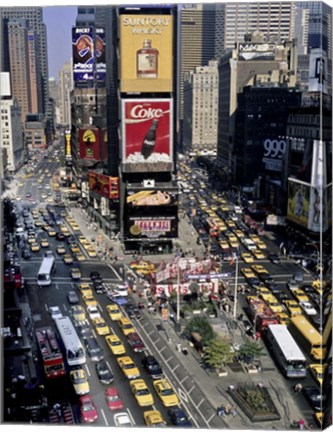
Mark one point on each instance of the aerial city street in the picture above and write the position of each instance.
(167, 247)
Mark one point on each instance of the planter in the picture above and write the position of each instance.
(221, 372)
(251, 369)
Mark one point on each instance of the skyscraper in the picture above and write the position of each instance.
(196, 37)
(34, 17)
(234, 20)
(65, 87)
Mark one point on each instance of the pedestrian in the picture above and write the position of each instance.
(233, 412)
(301, 424)
(221, 411)
(298, 388)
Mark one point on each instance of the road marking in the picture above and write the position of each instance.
(57, 288)
(87, 369)
(166, 361)
(182, 394)
(46, 308)
(104, 416)
(190, 391)
(64, 306)
(212, 416)
(185, 378)
(130, 416)
(162, 349)
(202, 400)
(177, 366)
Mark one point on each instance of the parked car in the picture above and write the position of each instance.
(314, 396)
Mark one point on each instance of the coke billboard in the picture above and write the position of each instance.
(147, 135)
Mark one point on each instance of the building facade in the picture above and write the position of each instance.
(65, 86)
(201, 108)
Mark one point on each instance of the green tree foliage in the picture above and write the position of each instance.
(200, 325)
(251, 350)
(217, 353)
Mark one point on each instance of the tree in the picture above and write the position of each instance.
(251, 350)
(200, 325)
(217, 353)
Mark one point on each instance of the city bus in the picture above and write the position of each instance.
(52, 358)
(310, 338)
(75, 354)
(47, 268)
(286, 352)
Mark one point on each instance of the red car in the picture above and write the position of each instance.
(88, 409)
(135, 341)
(112, 399)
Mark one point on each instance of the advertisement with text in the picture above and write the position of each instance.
(152, 227)
(100, 54)
(147, 135)
(146, 53)
(89, 143)
(83, 53)
(68, 150)
(104, 185)
(298, 202)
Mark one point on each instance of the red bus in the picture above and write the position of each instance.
(213, 227)
(53, 361)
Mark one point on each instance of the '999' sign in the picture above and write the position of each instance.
(274, 148)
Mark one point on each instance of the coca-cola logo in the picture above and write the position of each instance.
(140, 112)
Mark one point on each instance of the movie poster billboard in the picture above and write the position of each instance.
(155, 198)
(147, 135)
(89, 141)
(152, 227)
(83, 53)
(146, 53)
(298, 202)
(103, 185)
(100, 54)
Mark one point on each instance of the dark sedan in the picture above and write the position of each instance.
(314, 397)
(152, 367)
(104, 372)
(178, 417)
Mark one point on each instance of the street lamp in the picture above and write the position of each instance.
(236, 286)
(319, 264)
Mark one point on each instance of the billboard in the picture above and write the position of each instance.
(68, 150)
(152, 227)
(298, 202)
(100, 54)
(318, 71)
(147, 135)
(83, 53)
(151, 198)
(89, 141)
(256, 51)
(103, 185)
(146, 53)
(274, 151)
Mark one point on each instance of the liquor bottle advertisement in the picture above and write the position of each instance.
(147, 135)
(146, 53)
(89, 140)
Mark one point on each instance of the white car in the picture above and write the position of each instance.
(93, 312)
(55, 312)
(308, 308)
(120, 290)
(122, 419)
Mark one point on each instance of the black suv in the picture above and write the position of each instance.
(152, 367)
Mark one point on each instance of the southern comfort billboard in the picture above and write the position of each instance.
(89, 140)
(103, 185)
(146, 53)
(147, 135)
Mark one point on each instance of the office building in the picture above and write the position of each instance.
(235, 20)
(65, 87)
(201, 108)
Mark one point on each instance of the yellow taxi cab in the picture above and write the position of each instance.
(239, 233)
(128, 367)
(254, 237)
(261, 245)
(300, 295)
(44, 242)
(75, 227)
(319, 285)
(283, 318)
(272, 302)
(126, 326)
(292, 307)
(80, 382)
(258, 254)
(83, 240)
(64, 229)
(74, 248)
(75, 273)
(233, 243)
(141, 392)
(115, 344)
(34, 247)
(166, 393)
(318, 371)
(89, 300)
(224, 244)
(260, 270)
(61, 249)
(85, 289)
(86, 245)
(38, 223)
(79, 257)
(51, 232)
(91, 252)
(31, 239)
(101, 327)
(247, 272)
(67, 258)
(247, 257)
(153, 418)
(114, 312)
(50, 200)
(78, 313)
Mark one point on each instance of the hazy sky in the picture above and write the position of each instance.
(59, 21)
